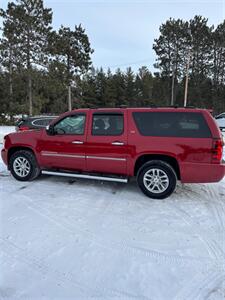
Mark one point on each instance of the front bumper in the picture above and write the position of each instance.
(4, 154)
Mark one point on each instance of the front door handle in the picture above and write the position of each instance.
(77, 142)
(117, 143)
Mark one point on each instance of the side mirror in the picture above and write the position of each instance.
(50, 130)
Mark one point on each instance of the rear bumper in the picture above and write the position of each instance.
(202, 173)
(4, 154)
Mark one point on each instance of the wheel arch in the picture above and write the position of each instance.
(14, 149)
(144, 158)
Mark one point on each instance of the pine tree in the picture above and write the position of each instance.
(171, 50)
(120, 87)
(144, 87)
(9, 57)
(72, 48)
(29, 22)
(130, 91)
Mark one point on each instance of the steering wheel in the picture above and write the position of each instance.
(60, 131)
(69, 129)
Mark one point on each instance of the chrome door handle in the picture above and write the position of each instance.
(118, 143)
(77, 142)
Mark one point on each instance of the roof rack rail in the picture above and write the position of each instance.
(177, 106)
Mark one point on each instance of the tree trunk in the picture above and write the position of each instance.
(10, 75)
(30, 93)
(69, 84)
(29, 69)
(10, 80)
(172, 88)
(69, 98)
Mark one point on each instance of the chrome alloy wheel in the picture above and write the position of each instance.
(156, 181)
(21, 166)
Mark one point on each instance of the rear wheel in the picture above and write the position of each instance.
(23, 165)
(157, 179)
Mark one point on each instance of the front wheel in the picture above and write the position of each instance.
(157, 179)
(23, 165)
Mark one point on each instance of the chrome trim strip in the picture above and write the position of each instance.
(106, 158)
(48, 152)
(123, 180)
(55, 154)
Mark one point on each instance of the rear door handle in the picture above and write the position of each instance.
(77, 142)
(117, 143)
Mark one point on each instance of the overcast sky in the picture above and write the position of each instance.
(122, 32)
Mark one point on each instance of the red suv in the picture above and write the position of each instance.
(156, 145)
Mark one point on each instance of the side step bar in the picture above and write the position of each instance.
(115, 179)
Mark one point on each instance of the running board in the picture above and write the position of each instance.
(115, 179)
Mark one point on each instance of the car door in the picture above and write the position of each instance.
(106, 148)
(64, 148)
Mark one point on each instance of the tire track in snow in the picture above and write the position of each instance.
(213, 248)
(217, 206)
(218, 212)
(116, 246)
(205, 193)
(12, 250)
(201, 285)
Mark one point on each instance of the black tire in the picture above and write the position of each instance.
(166, 174)
(31, 164)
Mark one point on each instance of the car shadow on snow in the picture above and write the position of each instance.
(183, 192)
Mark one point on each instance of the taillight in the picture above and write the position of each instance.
(217, 151)
(23, 128)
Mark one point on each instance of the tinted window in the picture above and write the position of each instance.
(46, 122)
(172, 124)
(21, 122)
(41, 122)
(73, 124)
(107, 124)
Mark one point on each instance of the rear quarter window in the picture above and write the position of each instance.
(172, 124)
(41, 122)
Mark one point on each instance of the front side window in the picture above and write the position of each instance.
(107, 124)
(73, 124)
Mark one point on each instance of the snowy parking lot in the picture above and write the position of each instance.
(62, 238)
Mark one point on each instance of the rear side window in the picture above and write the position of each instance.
(172, 124)
(41, 122)
(107, 124)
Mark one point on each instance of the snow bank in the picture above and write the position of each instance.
(5, 130)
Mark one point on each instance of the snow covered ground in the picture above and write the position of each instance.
(78, 239)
